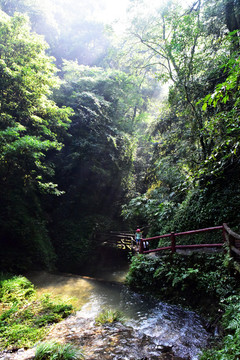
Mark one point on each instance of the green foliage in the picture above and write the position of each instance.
(16, 289)
(25, 318)
(95, 167)
(231, 317)
(52, 312)
(177, 277)
(175, 175)
(196, 150)
(223, 126)
(31, 127)
(208, 207)
(109, 316)
(55, 351)
(202, 207)
(229, 348)
(24, 238)
(199, 280)
(140, 275)
(31, 123)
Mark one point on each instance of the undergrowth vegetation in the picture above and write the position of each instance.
(54, 351)
(24, 317)
(207, 282)
(228, 348)
(183, 277)
(109, 316)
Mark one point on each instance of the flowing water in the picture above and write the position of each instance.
(164, 325)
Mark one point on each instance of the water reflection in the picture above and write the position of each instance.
(63, 285)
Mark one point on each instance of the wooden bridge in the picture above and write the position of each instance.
(123, 240)
(126, 241)
(228, 238)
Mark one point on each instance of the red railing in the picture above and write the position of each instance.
(233, 241)
(173, 247)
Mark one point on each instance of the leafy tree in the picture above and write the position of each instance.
(31, 126)
(94, 168)
(223, 124)
(198, 139)
(175, 45)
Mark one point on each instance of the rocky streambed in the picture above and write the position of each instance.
(114, 341)
(152, 330)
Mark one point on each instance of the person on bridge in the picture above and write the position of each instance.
(138, 236)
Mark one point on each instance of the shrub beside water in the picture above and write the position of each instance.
(24, 317)
(54, 351)
(109, 316)
(205, 281)
(229, 345)
(187, 277)
(15, 289)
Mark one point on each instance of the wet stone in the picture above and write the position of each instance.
(109, 342)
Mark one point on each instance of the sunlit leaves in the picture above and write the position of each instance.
(228, 89)
(30, 122)
(223, 124)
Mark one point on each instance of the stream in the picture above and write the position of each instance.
(152, 330)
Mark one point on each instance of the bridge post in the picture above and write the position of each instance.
(224, 233)
(173, 242)
(141, 246)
